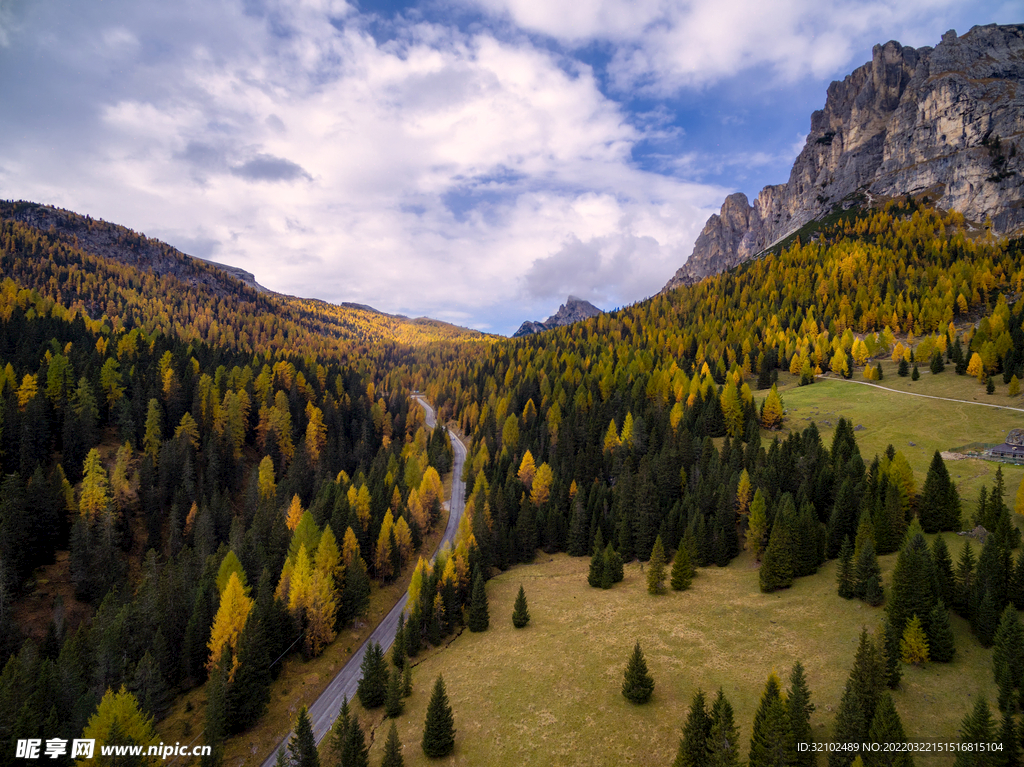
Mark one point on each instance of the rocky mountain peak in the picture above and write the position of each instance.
(944, 120)
(573, 310)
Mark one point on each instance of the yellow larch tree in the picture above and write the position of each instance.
(527, 470)
(94, 500)
(349, 548)
(541, 491)
(228, 623)
(328, 558)
(316, 432)
(294, 513)
(267, 482)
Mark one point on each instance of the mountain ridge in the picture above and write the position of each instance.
(944, 121)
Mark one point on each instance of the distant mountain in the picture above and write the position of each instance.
(943, 122)
(148, 283)
(573, 310)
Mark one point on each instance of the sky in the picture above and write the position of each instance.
(474, 161)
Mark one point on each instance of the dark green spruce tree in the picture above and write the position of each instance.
(939, 505)
(596, 573)
(886, 727)
(520, 613)
(392, 749)
(723, 743)
(355, 752)
(439, 725)
(373, 686)
(478, 618)
(637, 683)
(844, 570)
(302, 746)
(799, 707)
(771, 739)
(682, 569)
(393, 703)
(941, 642)
(693, 746)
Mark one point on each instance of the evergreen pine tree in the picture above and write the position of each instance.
(398, 646)
(614, 565)
(393, 704)
(943, 570)
(1008, 649)
(903, 369)
(976, 727)
(868, 674)
(373, 685)
(478, 618)
(608, 567)
(799, 707)
(339, 731)
(407, 679)
(439, 725)
(520, 613)
(886, 727)
(682, 569)
(656, 569)
(1008, 738)
(771, 739)
(939, 505)
(302, 746)
(866, 570)
(355, 752)
(413, 631)
(963, 580)
(392, 749)
(596, 561)
(693, 746)
(776, 570)
(915, 374)
(914, 585)
(844, 570)
(941, 644)
(888, 641)
(723, 743)
(850, 727)
(637, 683)
(986, 619)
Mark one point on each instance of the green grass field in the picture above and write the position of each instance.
(915, 426)
(549, 694)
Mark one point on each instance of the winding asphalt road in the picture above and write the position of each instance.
(325, 709)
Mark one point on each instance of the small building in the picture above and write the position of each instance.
(1013, 448)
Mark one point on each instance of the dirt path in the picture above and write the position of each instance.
(925, 396)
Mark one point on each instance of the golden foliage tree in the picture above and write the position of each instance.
(118, 720)
(228, 623)
(94, 500)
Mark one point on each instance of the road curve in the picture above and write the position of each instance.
(325, 709)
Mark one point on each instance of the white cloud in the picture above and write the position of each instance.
(661, 46)
(423, 175)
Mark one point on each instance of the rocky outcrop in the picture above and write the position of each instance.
(573, 310)
(947, 120)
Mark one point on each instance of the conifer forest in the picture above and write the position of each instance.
(225, 480)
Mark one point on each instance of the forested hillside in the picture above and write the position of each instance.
(223, 474)
(217, 507)
(616, 413)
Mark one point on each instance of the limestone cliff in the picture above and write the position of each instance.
(947, 120)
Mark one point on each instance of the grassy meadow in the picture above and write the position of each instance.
(549, 694)
(915, 426)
